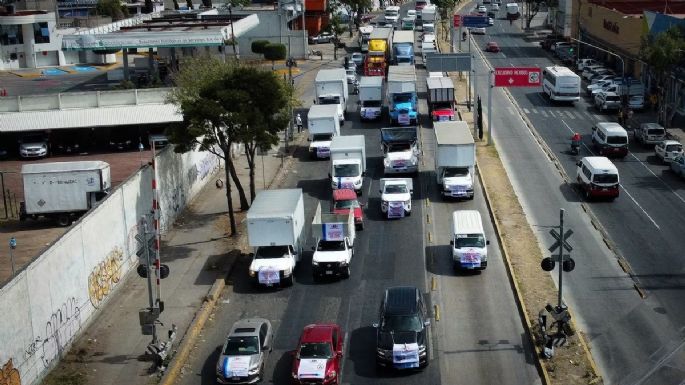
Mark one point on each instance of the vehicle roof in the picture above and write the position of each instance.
(392, 8)
(271, 203)
(247, 327)
(85, 165)
(323, 111)
(612, 128)
(669, 142)
(439, 82)
(401, 300)
(610, 93)
(560, 70)
(456, 132)
(318, 333)
(371, 81)
(330, 74)
(651, 125)
(344, 194)
(600, 163)
(466, 222)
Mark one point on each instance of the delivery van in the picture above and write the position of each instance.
(597, 177)
(469, 243)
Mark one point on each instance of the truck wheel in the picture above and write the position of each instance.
(407, 213)
(63, 220)
(347, 272)
(288, 281)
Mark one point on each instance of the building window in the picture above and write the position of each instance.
(41, 33)
(11, 35)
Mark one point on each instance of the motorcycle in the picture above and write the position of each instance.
(575, 147)
(355, 88)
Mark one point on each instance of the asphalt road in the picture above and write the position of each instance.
(633, 340)
(479, 338)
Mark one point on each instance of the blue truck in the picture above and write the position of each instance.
(402, 98)
(403, 48)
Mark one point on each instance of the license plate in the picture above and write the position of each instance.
(329, 272)
(235, 378)
(605, 189)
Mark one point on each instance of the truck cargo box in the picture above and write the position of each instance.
(276, 218)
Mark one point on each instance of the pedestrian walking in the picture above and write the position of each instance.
(298, 123)
(653, 101)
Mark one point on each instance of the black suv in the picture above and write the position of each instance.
(401, 334)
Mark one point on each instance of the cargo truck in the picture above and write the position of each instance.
(348, 162)
(331, 88)
(427, 16)
(402, 97)
(400, 150)
(513, 12)
(63, 191)
(441, 98)
(334, 236)
(275, 230)
(322, 125)
(455, 159)
(378, 57)
(403, 48)
(364, 36)
(370, 97)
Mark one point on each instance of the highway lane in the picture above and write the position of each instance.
(629, 336)
(479, 338)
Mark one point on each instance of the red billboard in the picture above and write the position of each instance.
(456, 21)
(517, 77)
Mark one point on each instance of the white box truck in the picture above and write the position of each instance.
(334, 236)
(63, 190)
(428, 18)
(331, 88)
(275, 230)
(323, 125)
(370, 97)
(348, 162)
(455, 159)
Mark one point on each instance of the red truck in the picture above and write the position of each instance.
(345, 200)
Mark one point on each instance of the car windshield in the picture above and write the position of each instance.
(402, 98)
(267, 252)
(401, 323)
(321, 137)
(350, 72)
(399, 147)
(330, 246)
(455, 172)
(345, 170)
(33, 139)
(613, 98)
(329, 100)
(605, 178)
(346, 204)
(316, 350)
(242, 346)
(617, 139)
(395, 189)
(655, 131)
(674, 147)
(469, 240)
(371, 103)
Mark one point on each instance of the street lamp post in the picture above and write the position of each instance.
(13, 245)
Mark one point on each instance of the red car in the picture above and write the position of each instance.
(346, 199)
(319, 355)
(492, 47)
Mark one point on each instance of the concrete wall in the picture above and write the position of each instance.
(610, 26)
(53, 299)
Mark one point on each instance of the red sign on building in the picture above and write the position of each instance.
(517, 77)
(457, 21)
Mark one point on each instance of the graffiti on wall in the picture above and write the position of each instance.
(61, 328)
(105, 276)
(202, 169)
(9, 374)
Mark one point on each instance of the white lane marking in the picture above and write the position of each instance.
(638, 205)
(622, 187)
(535, 111)
(578, 114)
(657, 177)
(544, 113)
(551, 114)
(570, 115)
(511, 110)
(526, 111)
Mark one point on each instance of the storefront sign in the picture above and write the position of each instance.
(611, 26)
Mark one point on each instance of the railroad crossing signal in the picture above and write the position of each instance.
(559, 242)
(145, 241)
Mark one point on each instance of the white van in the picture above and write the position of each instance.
(610, 138)
(469, 244)
(597, 177)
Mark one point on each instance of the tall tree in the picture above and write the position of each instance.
(533, 7)
(445, 10)
(663, 53)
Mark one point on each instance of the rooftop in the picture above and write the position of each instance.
(636, 8)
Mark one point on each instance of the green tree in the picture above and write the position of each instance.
(663, 53)
(533, 7)
(257, 46)
(112, 8)
(224, 104)
(275, 52)
(445, 10)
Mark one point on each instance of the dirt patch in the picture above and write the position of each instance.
(572, 364)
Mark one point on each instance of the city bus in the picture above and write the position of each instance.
(561, 84)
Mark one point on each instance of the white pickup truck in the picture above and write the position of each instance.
(396, 197)
(334, 235)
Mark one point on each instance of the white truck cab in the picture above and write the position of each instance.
(469, 243)
(273, 265)
(334, 235)
(400, 150)
(396, 197)
(348, 162)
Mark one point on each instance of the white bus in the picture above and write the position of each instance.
(561, 84)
